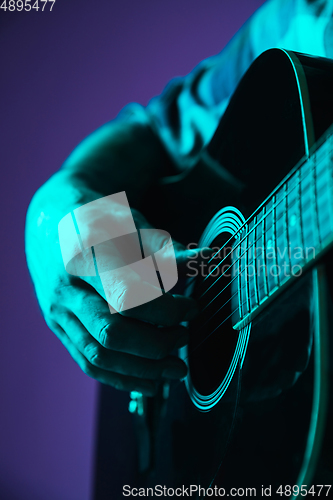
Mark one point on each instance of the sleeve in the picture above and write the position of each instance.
(186, 114)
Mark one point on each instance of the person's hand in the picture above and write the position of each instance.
(129, 350)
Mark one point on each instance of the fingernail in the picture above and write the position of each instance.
(176, 371)
(191, 314)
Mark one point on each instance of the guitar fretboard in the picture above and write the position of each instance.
(292, 228)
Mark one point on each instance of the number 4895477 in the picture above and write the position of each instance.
(304, 491)
(12, 5)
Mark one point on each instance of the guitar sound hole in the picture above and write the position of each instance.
(212, 338)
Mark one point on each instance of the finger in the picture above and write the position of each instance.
(116, 380)
(114, 273)
(125, 334)
(166, 310)
(123, 288)
(118, 362)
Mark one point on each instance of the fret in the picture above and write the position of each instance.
(243, 281)
(314, 203)
(330, 182)
(264, 226)
(246, 255)
(236, 261)
(260, 256)
(270, 246)
(291, 229)
(307, 213)
(247, 269)
(282, 235)
(253, 292)
(323, 152)
(324, 193)
(294, 221)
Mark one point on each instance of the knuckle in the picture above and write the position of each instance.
(84, 297)
(158, 239)
(118, 384)
(120, 298)
(87, 368)
(51, 308)
(105, 336)
(95, 355)
(164, 240)
(111, 337)
(55, 300)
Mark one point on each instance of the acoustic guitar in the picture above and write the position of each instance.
(255, 410)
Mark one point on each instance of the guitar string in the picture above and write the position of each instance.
(236, 262)
(229, 284)
(196, 330)
(240, 242)
(207, 305)
(208, 320)
(224, 304)
(231, 266)
(252, 229)
(248, 233)
(284, 213)
(210, 333)
(283, 183)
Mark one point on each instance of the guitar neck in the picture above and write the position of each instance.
(290, 230)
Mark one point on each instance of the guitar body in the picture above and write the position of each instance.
(254, 408)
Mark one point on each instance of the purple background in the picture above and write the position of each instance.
(63, 74)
